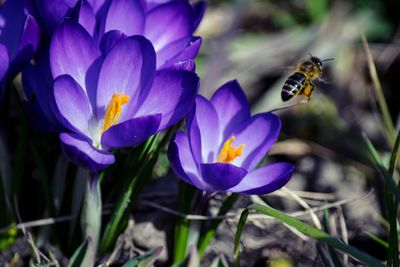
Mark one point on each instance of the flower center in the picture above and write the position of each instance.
(113, 110)
(229, 153)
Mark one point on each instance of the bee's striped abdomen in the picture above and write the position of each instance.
(292, 85)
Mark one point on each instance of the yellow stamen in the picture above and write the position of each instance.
(113, 110)
(229, 153)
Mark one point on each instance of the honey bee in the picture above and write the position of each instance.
(301, 81)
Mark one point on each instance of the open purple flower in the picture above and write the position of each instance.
(19, 37)
(224, 144)
(169, 26)
(112, 102)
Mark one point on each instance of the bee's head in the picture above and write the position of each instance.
(317, 62)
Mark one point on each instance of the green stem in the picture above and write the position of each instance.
(91, 217)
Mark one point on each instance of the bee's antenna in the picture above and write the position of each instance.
(328, 59)
(310, 54)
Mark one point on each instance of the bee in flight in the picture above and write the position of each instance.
(301, 81)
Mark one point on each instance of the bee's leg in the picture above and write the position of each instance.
(307, 90)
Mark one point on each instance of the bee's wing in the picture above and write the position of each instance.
(287, 67)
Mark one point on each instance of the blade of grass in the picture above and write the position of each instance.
(77, 258)
(390, 130)
(324, 257)
(332, 252)
(391, 193)
(305, 229)
(212, 229)
(378, 240)
(392, 167)
(387, 178)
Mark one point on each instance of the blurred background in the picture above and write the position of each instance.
(259, 42)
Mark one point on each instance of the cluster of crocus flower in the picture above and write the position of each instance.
(109, 74)
(116, 101)
(168, 25)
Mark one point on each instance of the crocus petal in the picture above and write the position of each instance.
(72, 106)
(111, 39)
(86, 16)
(169, 22)
(53, 11)
(126, 16)
(96, 4)
(203, 129)
(12, 19)
(199, 8)
(150, 4)
(131, 132)
(28, 44)
(221, 176)
(73, 52)
(190, 51)
(38, 85)
(188, 65)
(129, 68)
(185, 59)
(172, 95)
(257, 134)
(171, 51)
(265, 179)
(182, 161)
(80, 151)
(231, 105)
(4, 63)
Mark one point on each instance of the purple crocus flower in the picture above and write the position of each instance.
(112, 102)
(169, 26)
(19, 37)
(224, 143)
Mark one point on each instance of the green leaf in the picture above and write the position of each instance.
(182, 227)
(305, 229)
(79, 254)
(143, 161)
(8, 238)
(236, 247)
(380, 97)
(145, 260)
